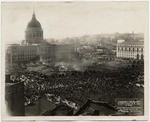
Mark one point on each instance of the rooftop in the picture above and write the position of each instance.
(132, 43)
(41, 106)
(11, 83)
(34, 23)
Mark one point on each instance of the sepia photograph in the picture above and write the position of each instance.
(75, 60)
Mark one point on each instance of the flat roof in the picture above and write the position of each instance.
(132, 43)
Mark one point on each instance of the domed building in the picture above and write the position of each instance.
(36, 49)
(34, 31)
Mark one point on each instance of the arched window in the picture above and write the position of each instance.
(141, 49)
(142, 56)
(137, 56)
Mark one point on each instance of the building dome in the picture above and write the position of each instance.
(34, 23)
(34, 31)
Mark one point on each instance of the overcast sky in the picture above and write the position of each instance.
(70, 19)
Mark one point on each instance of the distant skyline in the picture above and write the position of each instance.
(71, 19)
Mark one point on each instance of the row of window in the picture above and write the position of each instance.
(126, 55)
(120, 52)
(46, 49)
(24, 55)
(15, 58)
(34, 34)
(47, 58)
(31, 50)
(129, 49)
(129, 56)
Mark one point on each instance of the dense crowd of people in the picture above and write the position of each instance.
(97, 82)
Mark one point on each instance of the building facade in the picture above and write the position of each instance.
(20, 53)
(131, 50)
(14, 96)
(34, 47)
(46, 53)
